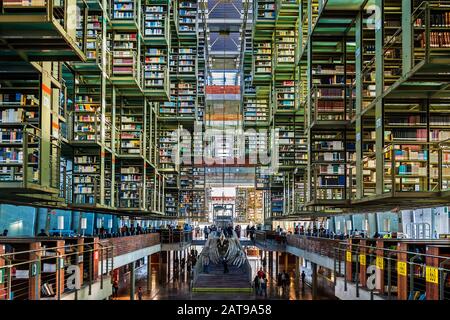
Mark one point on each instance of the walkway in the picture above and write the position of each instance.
(236, 280)
(178, 289)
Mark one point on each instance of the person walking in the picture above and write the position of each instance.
(206, 264)
(263, 286)
(115, 287)
(279, 280)
(303, 275)
(225, 265)
(283, 280)
(189, 266)
(139, 293)
(256, 284)
(261, 273)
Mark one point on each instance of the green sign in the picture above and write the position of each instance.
(33, 269)
(2, 275)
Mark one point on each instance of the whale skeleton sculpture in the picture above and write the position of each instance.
(221, 247)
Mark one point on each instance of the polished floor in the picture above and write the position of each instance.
(177, 288)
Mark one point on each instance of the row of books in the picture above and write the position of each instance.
(17, 116)
(18, 99)
(436, 40)
(436, 20)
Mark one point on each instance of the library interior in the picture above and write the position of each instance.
(224, 149)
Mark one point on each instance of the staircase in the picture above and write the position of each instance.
(236, 280)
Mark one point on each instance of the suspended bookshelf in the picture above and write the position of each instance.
(285, 47)
(262, 178)
(125, 54)
(241, 204)
(19, 121)
(198, 174)
(277, 195)
(263, 61)
(131, 130)
(186, 178)
(167, 143)
(155, 67)
(171, 203)
(169, 108)
(91, 40)
(124, 10)
(86, 117)
(86, 178)
(285, 95)
(199, 204)
(187, 62)
(186, 98)
(185, 201)
(299, 192)
(256, 111)
(330, 164)
(301, 145)
(392, 56)
(130, 177)
(155, 16)
(266, 10)
(187, 16)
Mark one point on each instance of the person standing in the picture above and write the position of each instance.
(139, 293)
(283, 280)
(261, 273)
(206, 232)
(263, 286)
(279, 280)
(225, 265)
(206, 264)
(256, 284)
(115, 288)
(303, 279)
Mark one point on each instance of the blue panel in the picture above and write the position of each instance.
(19, 220)
(41, 218)
(372, 223)
(358, 221)
(90, 222)
(54, 219)
(392, 217)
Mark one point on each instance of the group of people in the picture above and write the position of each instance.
(260, 283)
(283, 280)
(251, 232)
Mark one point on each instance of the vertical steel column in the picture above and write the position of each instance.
(357, 275)
(314, 280)
(309, 102)
(359, 95)
(103, 80)
(149, 273)
(46, 108)
(113, 147)
(407, 37)
(379, 112)
(143, 201)
(132, 280)
(277, 260)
